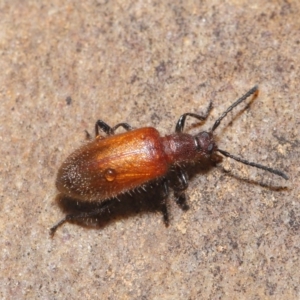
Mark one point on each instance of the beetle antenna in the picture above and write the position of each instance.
(249, 163)
(236, 103)
(252, 91)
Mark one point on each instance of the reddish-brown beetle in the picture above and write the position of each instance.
(107, 167)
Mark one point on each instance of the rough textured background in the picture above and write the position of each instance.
(146, 63)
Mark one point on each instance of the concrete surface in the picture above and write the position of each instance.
(65, 64)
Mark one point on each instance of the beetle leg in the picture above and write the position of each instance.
(87, 135)
(109, 130)
(181, 121)
(179, 194)
(126, 126)
(164, 208)
(180, 199)
(85, 215)
(103, 126)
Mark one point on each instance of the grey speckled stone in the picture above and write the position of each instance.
(63, 66)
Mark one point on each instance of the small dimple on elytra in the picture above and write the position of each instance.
(110, 174)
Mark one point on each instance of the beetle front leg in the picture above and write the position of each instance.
(181, 121)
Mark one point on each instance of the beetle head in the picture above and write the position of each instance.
(205, 143)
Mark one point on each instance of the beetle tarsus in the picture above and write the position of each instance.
(85, 215)
(55, 227)
(180, 199)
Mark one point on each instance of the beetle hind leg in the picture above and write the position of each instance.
(81, 216)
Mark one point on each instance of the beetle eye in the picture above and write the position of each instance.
(204, 142)
(210, 147)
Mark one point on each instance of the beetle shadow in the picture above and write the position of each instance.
(143, 200)
(137, 202)
(124, 207)
(270, 186)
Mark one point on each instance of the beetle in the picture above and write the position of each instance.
(106, 167)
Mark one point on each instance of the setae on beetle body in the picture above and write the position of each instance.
(108, 166)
